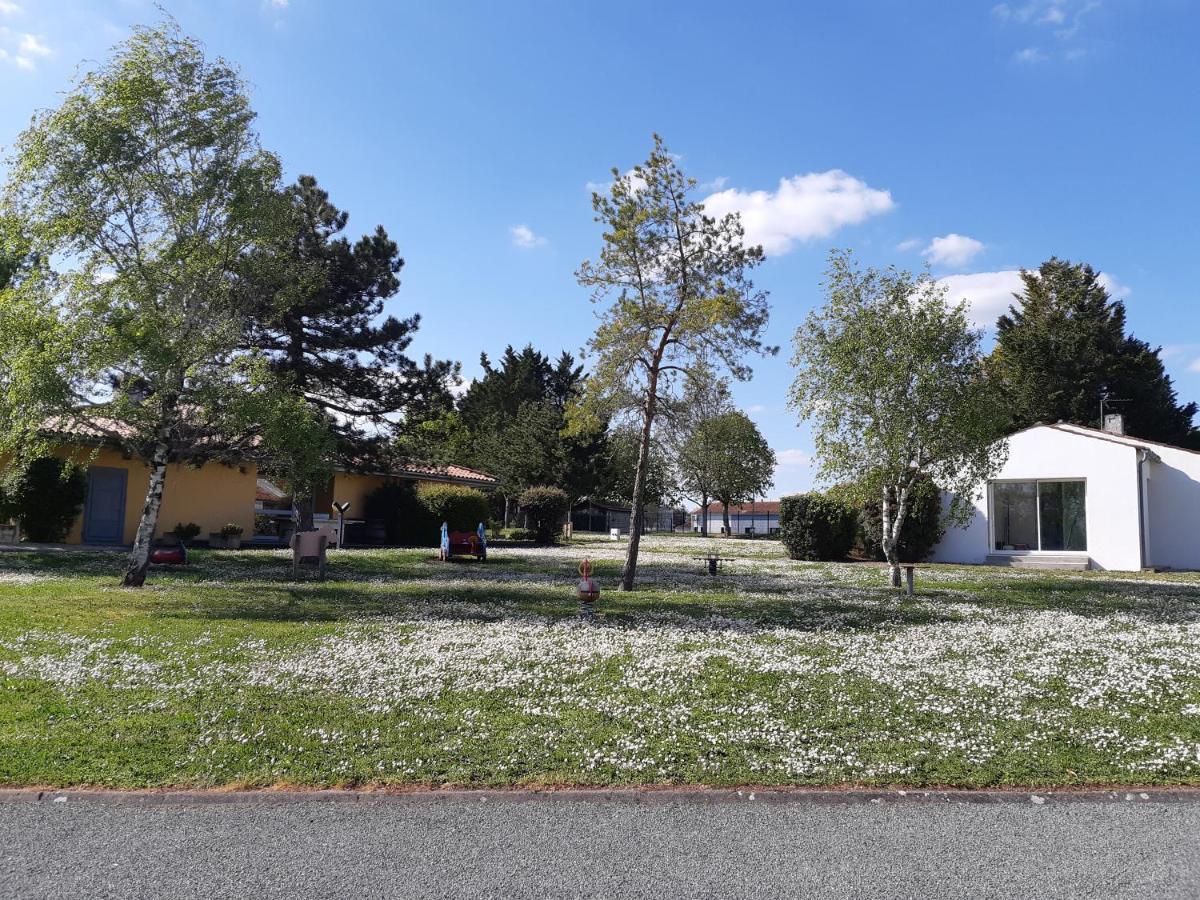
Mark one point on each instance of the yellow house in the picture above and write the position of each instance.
(212, 495)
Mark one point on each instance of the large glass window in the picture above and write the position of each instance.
(1015, 510)
(1039, 515)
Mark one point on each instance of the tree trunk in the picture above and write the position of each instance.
(506, 510)
(703, 515)
(139, 557)
(306, 507)
(637, 508)
(892, 519)
(725, 517)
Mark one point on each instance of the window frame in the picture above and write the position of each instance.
(1037, 502)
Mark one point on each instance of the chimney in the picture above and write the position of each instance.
(1114, 423)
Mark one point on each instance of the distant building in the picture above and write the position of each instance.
(603, 517)
(755, 517)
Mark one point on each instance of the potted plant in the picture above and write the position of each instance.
(181, 535)
(228, 538)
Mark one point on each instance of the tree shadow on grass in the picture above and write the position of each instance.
(257, 585)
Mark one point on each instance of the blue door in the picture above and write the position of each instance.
(104, 514)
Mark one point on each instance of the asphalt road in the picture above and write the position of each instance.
(602, 845)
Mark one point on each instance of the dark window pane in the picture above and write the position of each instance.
(1063, 520)
(1014, 507)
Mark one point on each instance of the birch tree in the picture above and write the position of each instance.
(146, 186)
(891, 376)
(677, 293)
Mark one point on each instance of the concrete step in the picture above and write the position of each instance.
(1041, 561)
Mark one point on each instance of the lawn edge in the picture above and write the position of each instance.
(825, 796)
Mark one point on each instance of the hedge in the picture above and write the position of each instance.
(545, 507)
(46, 495)
(815, 526)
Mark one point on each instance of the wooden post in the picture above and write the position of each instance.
(908, 577)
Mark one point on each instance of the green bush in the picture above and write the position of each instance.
(546, 507)
(185, 533)
(522, 534)
(816, 526)
(45, 495)
(462, 508)
(921, 530)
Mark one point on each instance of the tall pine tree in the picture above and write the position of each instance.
(317, 302)
(1063, 344)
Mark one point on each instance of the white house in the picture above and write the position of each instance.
(755, 517)
(1074, 497)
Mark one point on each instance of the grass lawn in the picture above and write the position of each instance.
(402, 670)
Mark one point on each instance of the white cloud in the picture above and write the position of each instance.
(31, 45)
(988, 293)
(277, 4)
(8, 8)
(991, 293)
(954, 250)
(1029, 55)
(803, 208)
(910, 244)
(523, 237)
(23, 50)
(755, 408)
(1195, 366)
(1115, 289)
(793, 458)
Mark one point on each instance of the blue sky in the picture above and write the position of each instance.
(979, 137)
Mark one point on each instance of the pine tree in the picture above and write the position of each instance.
(1063, 344)
(317, 301)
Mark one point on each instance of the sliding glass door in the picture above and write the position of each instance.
(1039, 515)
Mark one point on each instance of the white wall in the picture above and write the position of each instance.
(1045, 452)
(762, 523)
(1173, 490)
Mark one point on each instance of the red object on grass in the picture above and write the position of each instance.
(168, 556)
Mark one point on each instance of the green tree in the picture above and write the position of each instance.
(742, 462)
(514, 418)
(316, 305)
(1063, 345)
(892, 378)
(619, 470)
(148, 184)
(545, 508)
(679, 295)
(692, 441)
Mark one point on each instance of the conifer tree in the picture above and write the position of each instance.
(1063, 344)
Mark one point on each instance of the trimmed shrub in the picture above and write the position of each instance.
(462, 508)
(816, 526)
(546, 507)
(922, 528)
(46, 496)
(522, 534)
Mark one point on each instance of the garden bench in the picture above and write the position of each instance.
(713, 563)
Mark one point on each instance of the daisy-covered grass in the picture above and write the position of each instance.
(402, 670)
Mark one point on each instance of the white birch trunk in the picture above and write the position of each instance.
(139, 556)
